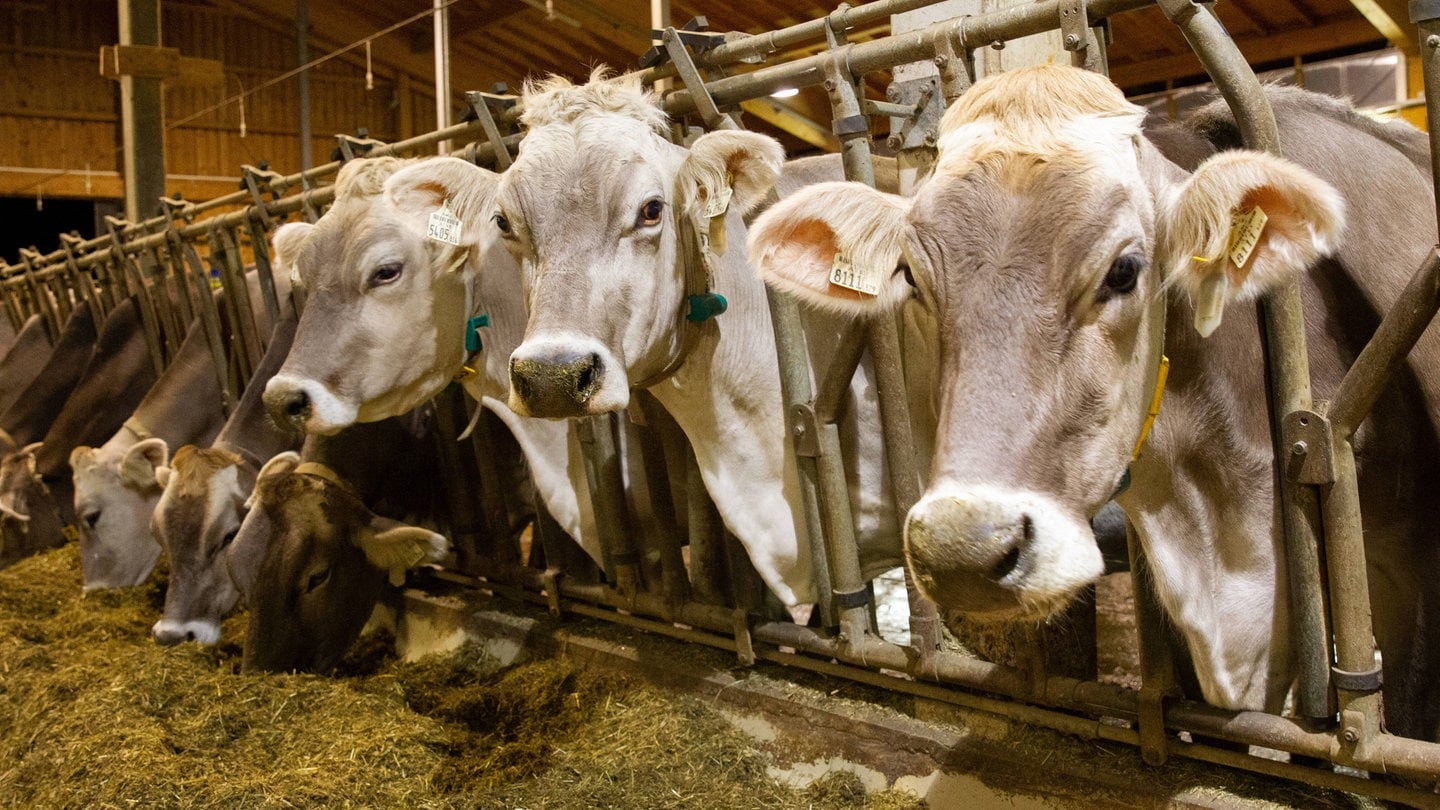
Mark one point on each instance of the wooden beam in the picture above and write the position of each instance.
(1345, 33)
(102, 185)
(789, 120)
(1392, 19)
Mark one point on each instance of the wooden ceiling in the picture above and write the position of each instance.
(507, 40)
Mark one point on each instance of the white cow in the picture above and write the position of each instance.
(386, 313)
(593, 208)
(1053, 243)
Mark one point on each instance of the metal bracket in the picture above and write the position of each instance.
(1074, 24)
(846, 600)
(1152, 725)
(258, 180)
(480, 104)
(694, 82)
(805, 430)
(353, 146)
(178, 207)
(551, 580)
(1307, 437)
(744, 643)
(693, 32)
(916, 125)
(1177, 11)
(1364, 683)
(1424, 11)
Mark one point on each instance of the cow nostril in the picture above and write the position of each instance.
(1006, 564)
(297, 403)
(189, 635)
(588, 373)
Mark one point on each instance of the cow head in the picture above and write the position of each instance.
(591, 209)
(1044, 246)
(311, 561)
(385, 309)
(195, 520)
(26, 521)
(115, 496)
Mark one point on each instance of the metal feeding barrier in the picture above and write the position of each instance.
(714, 597)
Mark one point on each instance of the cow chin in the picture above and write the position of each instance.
(999, 555)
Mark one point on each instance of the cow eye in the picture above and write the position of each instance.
(502, 223)
(386, 274)
(229, 537)
(904, 267)
(650, 213)
(316, 580)
(92, 518)
(1124, 273)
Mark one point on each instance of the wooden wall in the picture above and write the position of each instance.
(58, 115)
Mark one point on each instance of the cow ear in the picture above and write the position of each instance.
(832, 232)
(396, 547)
(8, 444)
(1244, 224)
(245, 554)
(420, 189)
(81, 456)
(162, 477)
(278, 465)
(285, 244)
(137, 466)
(746, 163)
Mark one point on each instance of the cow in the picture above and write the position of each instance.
(35, 408)
(113, 381)
(401, 305)
(203, 503)
(1054, 242)
(312, 557)
(24, 360)
(117, 484)
(605, 216)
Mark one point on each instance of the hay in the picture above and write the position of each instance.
(93, 714)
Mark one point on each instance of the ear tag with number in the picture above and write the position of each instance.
(845, 274)
(1245, 230)
(444, 226)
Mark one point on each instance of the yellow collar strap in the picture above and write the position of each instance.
(1155, 397)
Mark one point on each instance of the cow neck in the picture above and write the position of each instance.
(327, 474)
(246, 457)
(474, 321)
(1157, 372)
(700, 306)
(137, 429)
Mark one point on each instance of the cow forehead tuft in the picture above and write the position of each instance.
(557, 100)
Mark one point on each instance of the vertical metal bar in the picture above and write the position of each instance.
(237, 294)
(302, 58)
(41, 299)
(80, 280)
(136, 288)
(674, 583)
(210, 319)
(260, 249)
(176, 275)
(709, 577)
(1157, 666)
(612, 517)
(493, 511)
(457, 478)
(1289, 368)
(442, 71)
(171, 330)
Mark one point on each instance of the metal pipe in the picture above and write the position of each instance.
(209, 318)
(612, 514)
(442, 71)
(1284, 331)
(1430, 72)
(302, 81)
(261, 251)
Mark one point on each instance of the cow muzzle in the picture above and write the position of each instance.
(168, 633)
(559, 381)
(997, 554)
(306, 405)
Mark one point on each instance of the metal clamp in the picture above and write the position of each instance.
(694, 33)
(744, 642)
(1362, 683)
(695, 83)
(551, 579)
(258, 180)
(1074, 22)
(846, 600)
(480, 103)
(805, 430)
(350, 147)
(1307, 434)
(1424, 11)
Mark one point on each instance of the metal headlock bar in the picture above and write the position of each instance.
(1337, 700)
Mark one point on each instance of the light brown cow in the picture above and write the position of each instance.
(1053, 244)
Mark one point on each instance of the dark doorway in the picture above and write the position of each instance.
(23, 226)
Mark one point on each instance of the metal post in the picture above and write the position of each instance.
(442, 71)
(302, 58)
(142, 115)
(612, 516)
(209, 317)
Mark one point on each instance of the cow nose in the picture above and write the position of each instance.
(170, 635)
(288, 404)
(962, 553)
(556, 385)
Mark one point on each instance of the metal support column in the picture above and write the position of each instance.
(142, 112)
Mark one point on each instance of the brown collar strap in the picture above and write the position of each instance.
(140, 432)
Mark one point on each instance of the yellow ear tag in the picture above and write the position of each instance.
(716, 204)
(1245, 230)
(444, 226)
(845, 274)
(1210, 306)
